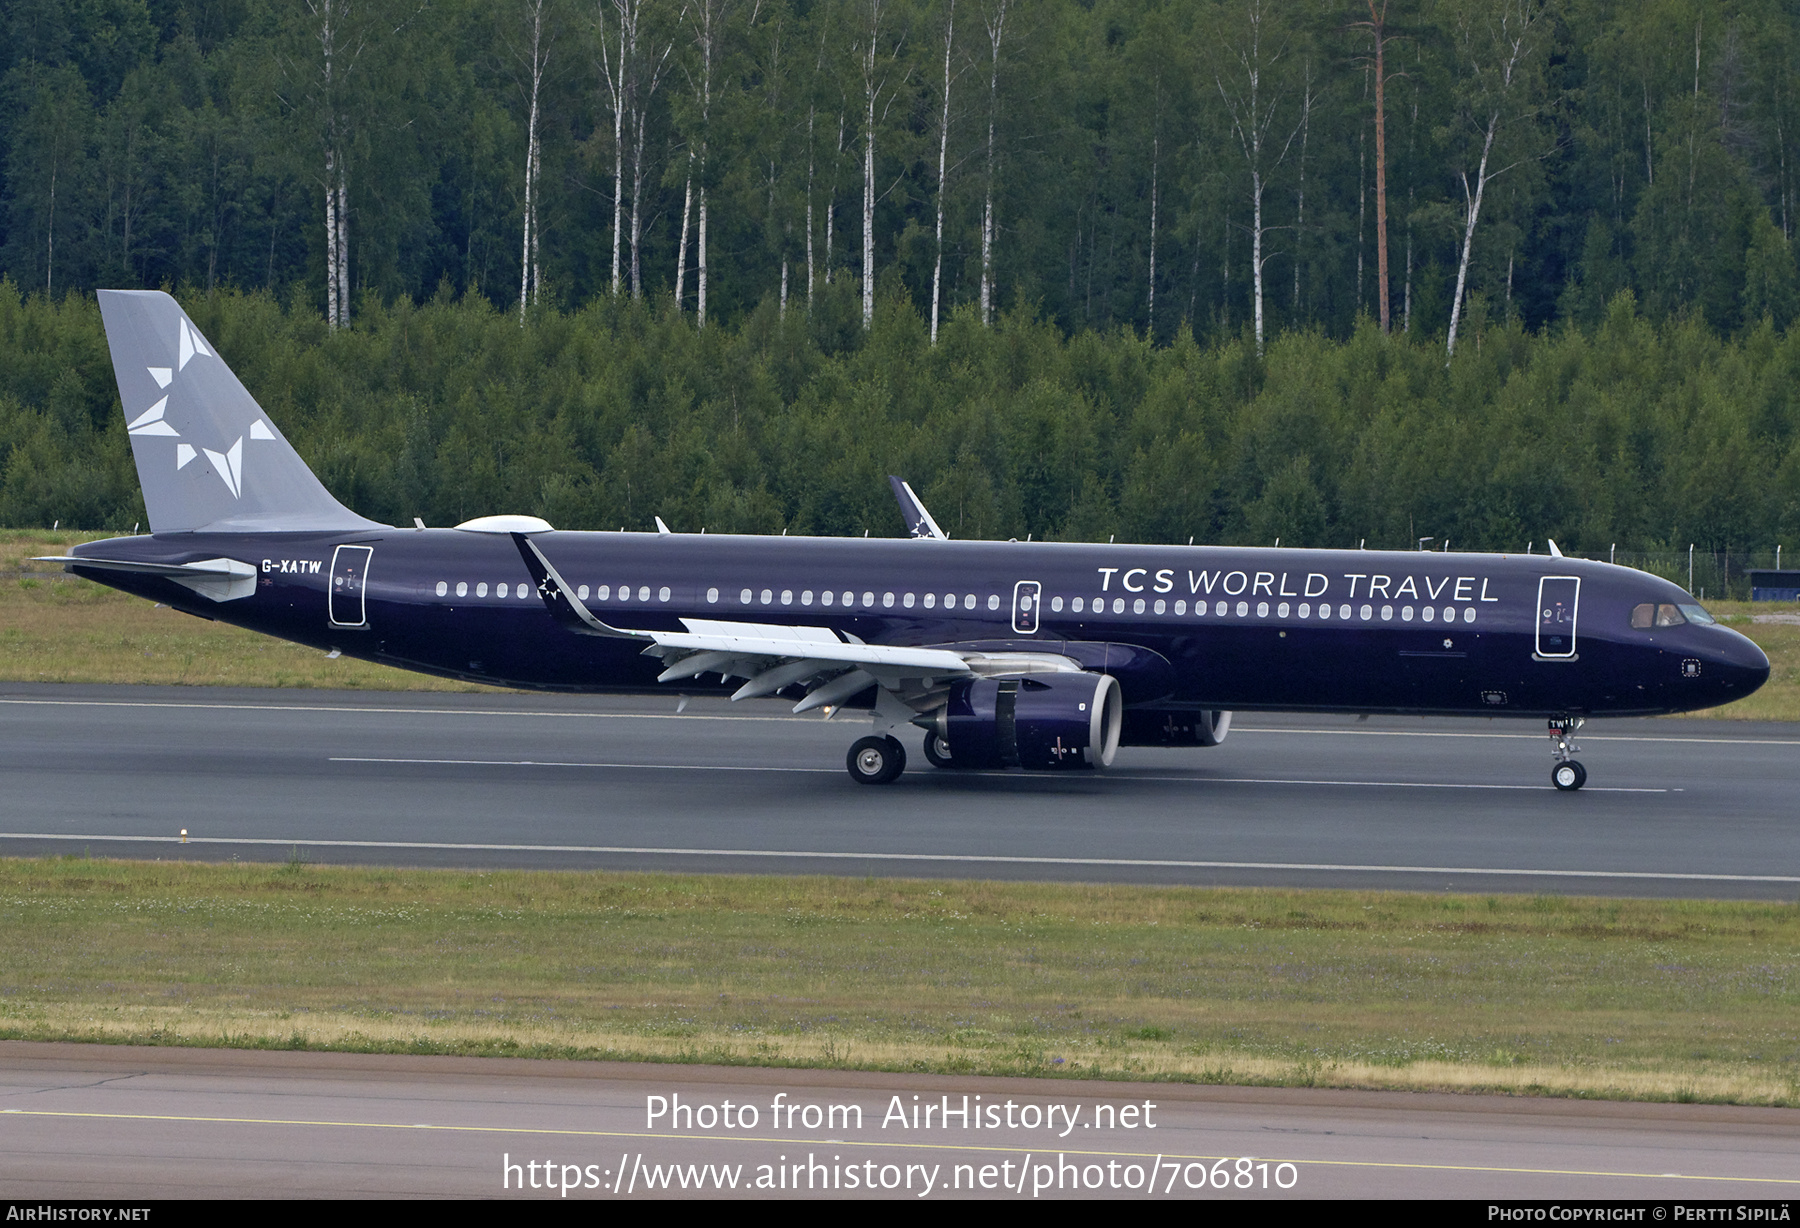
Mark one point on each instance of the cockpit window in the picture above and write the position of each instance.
(1667, 614)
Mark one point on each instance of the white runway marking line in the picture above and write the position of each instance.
(669, 716)
(1124, 775)
(960, 858)
(874, 1143)
(648, 767)
(598, 716)
(1529, 737)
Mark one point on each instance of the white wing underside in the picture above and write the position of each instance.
(771, 658)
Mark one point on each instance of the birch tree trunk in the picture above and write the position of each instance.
(810, 115)
(1498, 48)
(995, 21)
(708, 17)
(1306, 101)
(637, 202)
(937, 273)
(530, 276)
(1252, 103)
(335, 63)
(700, 265)
(687, 204)
(868, 212)
(621, 56)
(1155, 161)
(1471, 215)
(331, 237)
(831, 205)
(652, 63)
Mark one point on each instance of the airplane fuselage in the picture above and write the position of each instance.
(1180, 628)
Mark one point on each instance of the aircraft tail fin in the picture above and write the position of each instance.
(207, 455)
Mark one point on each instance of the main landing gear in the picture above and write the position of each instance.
(876, 760)
(1567, 775)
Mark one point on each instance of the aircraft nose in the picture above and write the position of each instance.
(1737, 665)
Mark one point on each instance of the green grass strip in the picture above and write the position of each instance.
(1643, 999)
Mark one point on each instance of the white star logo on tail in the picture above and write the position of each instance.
(229, 465)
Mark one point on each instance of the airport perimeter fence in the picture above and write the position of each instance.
(1718, 575)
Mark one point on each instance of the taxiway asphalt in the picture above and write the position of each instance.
(95, 1122)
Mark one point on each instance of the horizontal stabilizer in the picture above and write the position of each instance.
(214, 579)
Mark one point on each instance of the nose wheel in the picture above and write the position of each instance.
(876, 760)
(1567, 775)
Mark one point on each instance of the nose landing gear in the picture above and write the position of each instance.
(1567, 775)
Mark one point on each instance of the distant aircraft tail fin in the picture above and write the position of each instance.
(207, 455)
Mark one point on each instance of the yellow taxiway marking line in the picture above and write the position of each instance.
(731, 1138)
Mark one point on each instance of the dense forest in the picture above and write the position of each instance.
(1364, 270)
(1172, 167)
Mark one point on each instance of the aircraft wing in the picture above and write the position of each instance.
(772, 657)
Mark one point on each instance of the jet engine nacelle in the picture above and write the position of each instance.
(1046, 722)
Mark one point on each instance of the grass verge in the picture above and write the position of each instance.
(1670, 1000)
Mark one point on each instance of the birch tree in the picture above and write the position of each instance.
(1499, 51)
(634, 57)
(937, 271)
(879, 52)
(323, 92)
(706, 19)
(537, 59)
(618, 57)
(993, 20)
(1245, 71)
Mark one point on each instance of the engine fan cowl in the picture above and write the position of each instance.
(1045, 723)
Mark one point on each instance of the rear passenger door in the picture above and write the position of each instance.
(349, 579)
